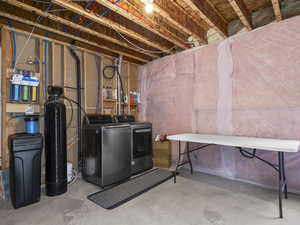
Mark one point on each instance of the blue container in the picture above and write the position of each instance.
(16, 92)
(32, 124)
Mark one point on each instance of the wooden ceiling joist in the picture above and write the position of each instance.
(46, 28)
(179, 18)
(139, 19)
(75, 26)
(276, 8)
(209, 15)
(243, 13)
(104, 21)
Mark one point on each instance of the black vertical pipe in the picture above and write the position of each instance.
(78, 75)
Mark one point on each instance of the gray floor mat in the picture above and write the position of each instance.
(115, 196)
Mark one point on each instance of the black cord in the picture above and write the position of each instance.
(72, 112)
(79, 105)
(105, 75)
(115, 68)
(74, 88)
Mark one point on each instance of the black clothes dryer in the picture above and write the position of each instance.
(141, 143)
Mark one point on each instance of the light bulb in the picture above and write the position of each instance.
(149, 8)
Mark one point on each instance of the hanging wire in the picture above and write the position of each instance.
(119, 33)
(58, 10)
(138, 47)
(26, 43)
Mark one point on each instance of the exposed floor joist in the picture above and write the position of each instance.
(178, 17)
(142, 21)
(209, 15)
(75, 26)
(276, 8)
(104, 21)
(137, 7)
(46, 28)
(243, 13)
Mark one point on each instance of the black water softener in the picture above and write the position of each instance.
(55, 143)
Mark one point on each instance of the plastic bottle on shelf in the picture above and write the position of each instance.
(113, 93)
(135, 97)
(131, 98)
(138, 98)
(109, 92)
(104, 92)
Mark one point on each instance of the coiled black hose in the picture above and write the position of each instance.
(115, 68)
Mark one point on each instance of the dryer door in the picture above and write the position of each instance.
(142, 142)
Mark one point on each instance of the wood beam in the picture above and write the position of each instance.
(28, 22)
(54, 39)
(209, 15)
(179, 18)
(75, 26)
(5, 64)
(243, 13)
(104, 21)
(139, 19)
(276, 8)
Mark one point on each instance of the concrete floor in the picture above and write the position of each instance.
(194, 200)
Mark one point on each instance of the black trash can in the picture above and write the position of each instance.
(25, 168)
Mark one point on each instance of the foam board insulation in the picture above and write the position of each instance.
(245, 85)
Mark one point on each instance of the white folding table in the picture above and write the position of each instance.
(240, 142)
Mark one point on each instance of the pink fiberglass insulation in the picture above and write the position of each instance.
(246, 85)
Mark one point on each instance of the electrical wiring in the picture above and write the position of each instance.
(30, 35)
(140, 48)
(88, 4)
(103, 13)
(119, 33)
(73, 88)
(71, 117)
(26, 43)
(58, 10)
(79, 105)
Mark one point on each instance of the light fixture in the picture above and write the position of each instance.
(149, 8)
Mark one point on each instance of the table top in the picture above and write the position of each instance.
(269, 144)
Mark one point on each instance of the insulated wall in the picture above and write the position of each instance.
(246, 85)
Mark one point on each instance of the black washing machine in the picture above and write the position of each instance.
(141, 143)
(106, 150)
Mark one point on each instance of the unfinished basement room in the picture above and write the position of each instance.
(150, 112)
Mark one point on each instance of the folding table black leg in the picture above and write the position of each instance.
(280, 164)
(188, 156)
(178, 161)
(284, 177)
